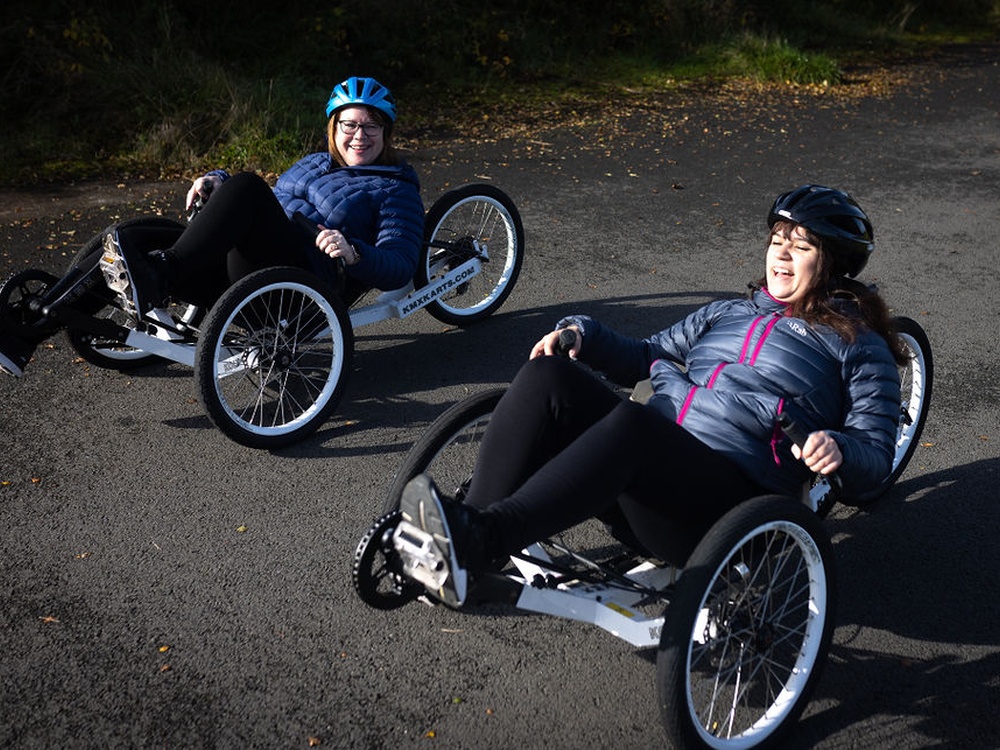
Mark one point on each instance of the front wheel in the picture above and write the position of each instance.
(473, 221)
(20, 295)
(749, 627)
(448, 448)
(273, 357)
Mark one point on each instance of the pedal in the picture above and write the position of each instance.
(422, 560)
(115, 272)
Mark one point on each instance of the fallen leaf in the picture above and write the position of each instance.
(241, 529)
(48, 619)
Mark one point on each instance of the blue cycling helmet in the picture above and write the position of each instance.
(366, 91)
(833, 216)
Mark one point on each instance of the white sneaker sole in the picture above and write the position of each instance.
(116, 273)
(423, 541)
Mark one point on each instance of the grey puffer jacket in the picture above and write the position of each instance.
(728, 370)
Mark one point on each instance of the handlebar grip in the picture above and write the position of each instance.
(795, 433)
(307, 224)
(799, 436)
(196, 207)
(567, 340)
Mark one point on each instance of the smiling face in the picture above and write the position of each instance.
(362, 146)
(793, 263)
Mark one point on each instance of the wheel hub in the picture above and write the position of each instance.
(21, 300)
(283, 359)
(268, 350)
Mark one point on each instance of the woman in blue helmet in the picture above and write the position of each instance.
(362, 198)
(809, 342)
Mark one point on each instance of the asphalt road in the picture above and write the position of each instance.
(161, 586)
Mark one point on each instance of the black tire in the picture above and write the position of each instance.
(749, 628)
(20, 294)
(273, 357)
(106, 353)
(459, 219)
(448, 448)
(377, 573)
(916, 384)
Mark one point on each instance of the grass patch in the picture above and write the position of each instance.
(775, 60)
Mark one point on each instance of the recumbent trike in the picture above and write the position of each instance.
(742, 618)
(271, 357)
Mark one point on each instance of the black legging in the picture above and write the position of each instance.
(244, 214)
(241, 229)
(561, 447)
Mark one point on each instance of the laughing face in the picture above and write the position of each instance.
(358, 137)
(792, 263)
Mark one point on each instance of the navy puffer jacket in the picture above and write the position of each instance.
(378, 209)
(729, 369)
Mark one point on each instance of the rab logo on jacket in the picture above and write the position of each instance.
(798, 328)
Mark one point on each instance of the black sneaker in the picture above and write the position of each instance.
(130, 273)
(15, 353)
(431, 538)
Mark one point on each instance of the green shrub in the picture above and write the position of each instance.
(174, 86)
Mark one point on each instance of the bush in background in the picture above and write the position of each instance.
(165, 85)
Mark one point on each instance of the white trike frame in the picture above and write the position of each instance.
(395, 304)
(285, 330)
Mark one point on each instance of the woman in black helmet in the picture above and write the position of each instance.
(809, 342)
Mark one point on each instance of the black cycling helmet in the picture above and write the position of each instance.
(833, 216)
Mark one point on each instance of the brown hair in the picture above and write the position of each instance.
(388, 156)
(822, 303)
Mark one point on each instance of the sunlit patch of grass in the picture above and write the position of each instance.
(775, 60)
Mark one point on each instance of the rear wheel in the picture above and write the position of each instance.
(749, 627)
(469, 222)
(916, 380)
(273, 357)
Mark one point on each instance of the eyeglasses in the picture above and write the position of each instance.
(350, 127)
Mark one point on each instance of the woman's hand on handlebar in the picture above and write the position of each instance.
(551, 345)
(202, 188)
(820, 453)
(333, 243)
